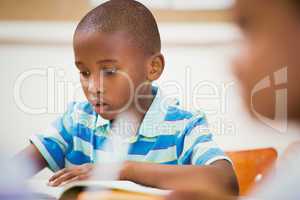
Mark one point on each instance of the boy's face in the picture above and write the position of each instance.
(271, 29)
(111, 69)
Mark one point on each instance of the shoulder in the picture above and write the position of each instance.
(173, 117)
(177, 112)
(185, 119)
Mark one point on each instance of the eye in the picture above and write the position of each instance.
(85, 74)
(109, 71)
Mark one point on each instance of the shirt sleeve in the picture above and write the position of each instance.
(54, 142)
(196, 146)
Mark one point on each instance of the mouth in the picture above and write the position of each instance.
(100, 107)
(99, 104)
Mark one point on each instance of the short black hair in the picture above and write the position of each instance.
(124, 15)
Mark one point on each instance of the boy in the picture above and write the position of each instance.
(117, 51)
(271, 50)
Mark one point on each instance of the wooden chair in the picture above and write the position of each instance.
(251, 166)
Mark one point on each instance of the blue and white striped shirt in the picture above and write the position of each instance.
(168, 134)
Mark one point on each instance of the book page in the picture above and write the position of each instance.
(41, 188)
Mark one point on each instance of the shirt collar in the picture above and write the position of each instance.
(153, 118)
(101, 121)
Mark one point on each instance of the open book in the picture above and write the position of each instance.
(41, 189)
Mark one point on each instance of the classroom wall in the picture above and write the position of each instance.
(197, 56)
(74, 10)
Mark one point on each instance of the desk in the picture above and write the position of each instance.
(116, 195)
(42, 191)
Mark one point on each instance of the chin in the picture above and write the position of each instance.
(107, 116)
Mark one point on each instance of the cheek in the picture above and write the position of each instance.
(271, 49)
(120, 90)
(84, 83)
(241, 70)
(257, 59)
(255, 68)
(250, 67)
(244, 69)
(85, 86)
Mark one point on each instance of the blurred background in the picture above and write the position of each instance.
(199, 39)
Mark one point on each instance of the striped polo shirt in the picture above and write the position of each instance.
(168, 134)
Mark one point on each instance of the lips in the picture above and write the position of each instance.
(96, 100)
(99, 106)
(98, 103)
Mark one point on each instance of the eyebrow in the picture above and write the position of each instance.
(99, 61)
(106, 61)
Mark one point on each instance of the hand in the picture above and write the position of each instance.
(71, 174)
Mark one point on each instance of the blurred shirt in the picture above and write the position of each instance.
(12, 180)
(284, 183)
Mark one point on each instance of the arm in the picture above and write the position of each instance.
(199, 195)
(218, 178)
(219, 175)
(30, 156)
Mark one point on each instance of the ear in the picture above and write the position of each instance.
(155, 67)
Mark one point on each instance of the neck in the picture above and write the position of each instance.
(142, 105)
(136, 112)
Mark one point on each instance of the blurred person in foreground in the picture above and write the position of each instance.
(267, 67)
(13, 178)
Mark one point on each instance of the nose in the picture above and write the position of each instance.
(95, 85)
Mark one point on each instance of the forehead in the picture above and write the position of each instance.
(270, 18)
(103, 43)
(259, 7)
(254, 7)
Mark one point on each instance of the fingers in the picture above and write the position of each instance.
(68, 175)
(81, 177)
(64, 178)
(76, 178)
(58, 174)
